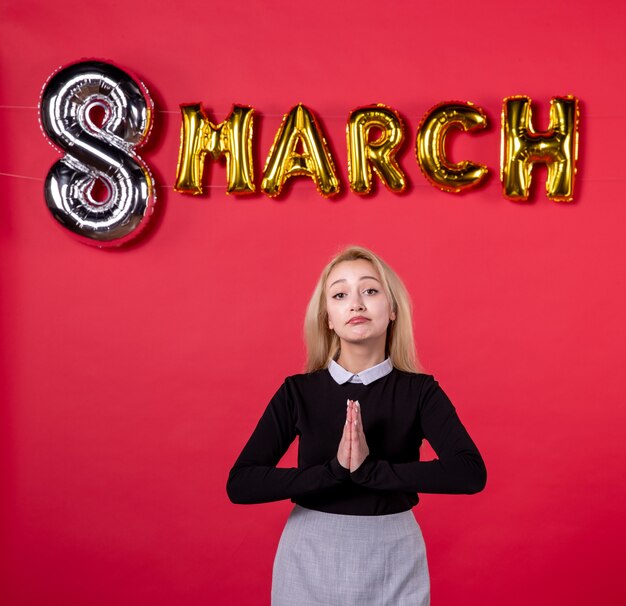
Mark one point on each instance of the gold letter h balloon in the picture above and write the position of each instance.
(522, 147)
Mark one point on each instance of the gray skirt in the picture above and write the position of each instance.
(327, 559)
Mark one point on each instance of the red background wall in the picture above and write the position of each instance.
(131, 378)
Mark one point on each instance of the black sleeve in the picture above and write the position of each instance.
(255, 478)
(459, 468)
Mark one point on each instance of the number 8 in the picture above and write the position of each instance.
(98, 154)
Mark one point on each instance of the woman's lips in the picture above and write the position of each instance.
(358, 320)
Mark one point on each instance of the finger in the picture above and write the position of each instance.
(357, 415)
(345, 434)
(343, 451)
(359, 423)
(348, 423)
(347, 426)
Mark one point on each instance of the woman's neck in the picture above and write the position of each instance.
(356, 360)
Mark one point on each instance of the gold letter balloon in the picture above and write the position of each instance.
(430, 146)
(522, 147)
(365, 155)
(231, 138)
(299, 127)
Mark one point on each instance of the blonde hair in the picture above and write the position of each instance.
(323, 344)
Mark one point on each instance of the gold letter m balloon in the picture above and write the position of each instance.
(522, 147)
(231, 138)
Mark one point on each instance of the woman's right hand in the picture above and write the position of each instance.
(343, 453)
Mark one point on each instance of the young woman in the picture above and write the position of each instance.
(361, 412)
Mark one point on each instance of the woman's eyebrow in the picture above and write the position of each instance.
(361, 278)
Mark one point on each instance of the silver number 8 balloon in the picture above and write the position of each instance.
(101, 190)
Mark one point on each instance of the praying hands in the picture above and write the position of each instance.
(353, 447)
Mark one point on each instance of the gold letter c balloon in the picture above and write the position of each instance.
(431, 150)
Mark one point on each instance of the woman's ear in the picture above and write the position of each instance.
(392, 316)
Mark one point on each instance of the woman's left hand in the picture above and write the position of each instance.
(358, 446)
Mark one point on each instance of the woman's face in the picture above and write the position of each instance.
(357, 306)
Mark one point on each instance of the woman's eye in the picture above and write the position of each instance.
(371, 291)
(339, 295)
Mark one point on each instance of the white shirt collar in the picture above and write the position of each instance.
(367, 376)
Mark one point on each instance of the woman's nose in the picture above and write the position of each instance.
(357, 303)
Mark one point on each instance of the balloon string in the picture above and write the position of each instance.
(168, 111)
(21, 177)
(263, 115)
(42, 180)
(343, 116)
(16, 107)
(177, 111)
(171, 187)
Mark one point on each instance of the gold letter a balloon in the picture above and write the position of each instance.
(299, 127)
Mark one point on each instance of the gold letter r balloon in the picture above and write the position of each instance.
(365, 155)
